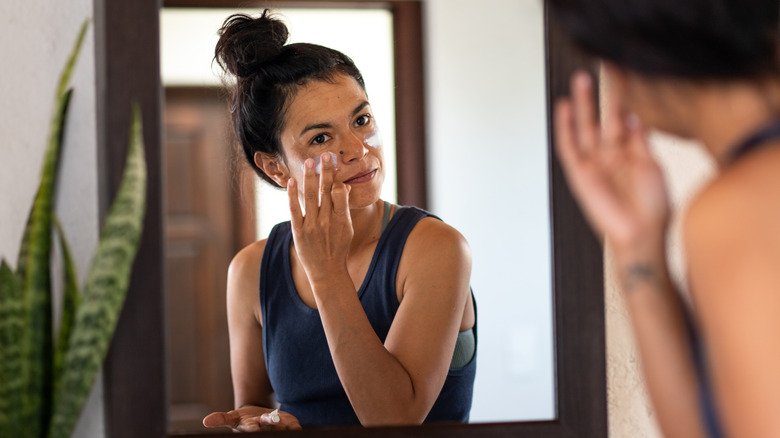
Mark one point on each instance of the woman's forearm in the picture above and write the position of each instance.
(662, 339)
(379, 388)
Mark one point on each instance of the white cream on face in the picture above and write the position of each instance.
(318, 163)
(374, 140)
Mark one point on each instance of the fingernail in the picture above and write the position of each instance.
(291, 182)
(326, 157)
(309, 163)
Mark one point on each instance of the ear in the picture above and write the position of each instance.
(273, 166)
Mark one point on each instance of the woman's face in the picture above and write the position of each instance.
(335, 118)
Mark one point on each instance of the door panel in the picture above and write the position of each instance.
(207, 222)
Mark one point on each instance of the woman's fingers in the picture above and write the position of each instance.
(585, 114)
(341, 200)
(310, 191)
(326, 183)
(637, 138)
(222, 419)
(565, 144)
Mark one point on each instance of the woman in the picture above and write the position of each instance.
(364, 313)
(708, 71)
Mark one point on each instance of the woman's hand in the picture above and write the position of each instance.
(252, 419)
(612, 174)
(323, 235)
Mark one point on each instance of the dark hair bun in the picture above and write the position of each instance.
(246, 44)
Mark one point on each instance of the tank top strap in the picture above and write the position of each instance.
(755, 140)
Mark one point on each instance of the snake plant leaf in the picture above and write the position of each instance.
(36, 285)
(70, 302)
(55, 134)
(104, 292)
(12, 323)
(67, 71)
(33, 268)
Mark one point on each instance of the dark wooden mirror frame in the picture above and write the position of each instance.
(127, 70)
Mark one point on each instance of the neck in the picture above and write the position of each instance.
(726, 114)
(366, 223)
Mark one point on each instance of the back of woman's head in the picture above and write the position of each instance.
(694, 39)
(267, 74)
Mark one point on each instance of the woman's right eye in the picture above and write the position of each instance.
(320, 139)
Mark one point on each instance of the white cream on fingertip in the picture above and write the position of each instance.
(318, 163)
(275, 416)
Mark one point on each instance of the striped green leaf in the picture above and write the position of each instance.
(33, 270)
(70, 302)
(12, 324)
(67, 71)
(55, 133)
(105, 289)
(36, 286)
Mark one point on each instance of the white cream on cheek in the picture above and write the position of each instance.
(374, 140)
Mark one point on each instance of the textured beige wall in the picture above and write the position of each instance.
(630, 414)
(36, 37)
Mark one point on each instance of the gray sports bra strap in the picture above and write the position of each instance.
(386, 215)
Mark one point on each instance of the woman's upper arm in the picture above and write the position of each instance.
(247, 363)
(733, 248)
(434, 274)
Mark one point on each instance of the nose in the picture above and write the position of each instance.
(353, 148)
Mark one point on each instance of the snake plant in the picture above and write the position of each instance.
(44, 384)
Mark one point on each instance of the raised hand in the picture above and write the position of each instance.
(323, 234)
(612, 173)
(252, 419)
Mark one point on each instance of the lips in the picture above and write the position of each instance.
(361, 177)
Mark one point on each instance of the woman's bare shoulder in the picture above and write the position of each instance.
(740, 201)
(243, 281)
(433, 249)
(732, 228)
(433, 235)
(248, 259)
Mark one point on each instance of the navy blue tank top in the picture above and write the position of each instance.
(297, 357)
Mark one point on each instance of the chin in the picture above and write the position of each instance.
(362, 202)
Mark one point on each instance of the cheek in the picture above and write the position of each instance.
(334, 159)
(298, 163)
(374, 139)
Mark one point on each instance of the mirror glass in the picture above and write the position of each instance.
(486, 172)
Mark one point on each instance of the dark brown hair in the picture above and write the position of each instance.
(694, 39)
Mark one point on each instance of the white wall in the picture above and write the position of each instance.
(35, 39)
(487, 176)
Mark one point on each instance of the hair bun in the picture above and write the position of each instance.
(246, 44)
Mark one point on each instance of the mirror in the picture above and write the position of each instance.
(135, 382)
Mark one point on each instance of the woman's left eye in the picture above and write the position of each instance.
(363, 120)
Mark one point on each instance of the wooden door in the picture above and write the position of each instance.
(208, 219)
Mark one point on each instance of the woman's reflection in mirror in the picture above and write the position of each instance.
(356, 311)
(705, 70)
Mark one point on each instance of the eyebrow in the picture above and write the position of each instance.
(313, 126)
